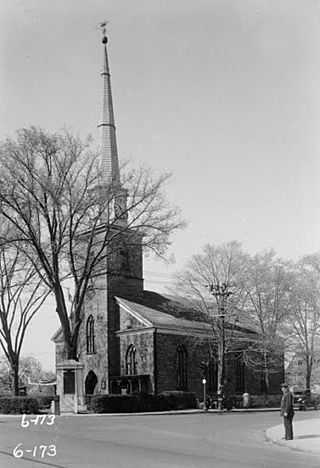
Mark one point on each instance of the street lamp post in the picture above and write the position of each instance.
(204, 383)
(221, 293)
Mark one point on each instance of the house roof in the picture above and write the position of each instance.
(158, 319)
(176, 312)
(58, 335)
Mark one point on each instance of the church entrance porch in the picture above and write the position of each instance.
(69, 385)
(126, 384)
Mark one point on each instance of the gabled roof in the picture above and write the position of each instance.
(58, 335)
(181, 307)
(160, 310)
(175, 313)
(158, 319)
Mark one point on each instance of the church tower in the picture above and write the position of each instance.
(99, 348)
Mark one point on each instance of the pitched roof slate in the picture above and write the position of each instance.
(176, 312)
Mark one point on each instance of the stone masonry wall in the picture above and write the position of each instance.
(96, 305)
(198, 350)
(143, 343)
(120, 276)
(166, 352)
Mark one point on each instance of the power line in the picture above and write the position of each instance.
(155, 273)
(157, 282)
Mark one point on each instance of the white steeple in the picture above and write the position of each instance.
(109, 161)
(107, 128)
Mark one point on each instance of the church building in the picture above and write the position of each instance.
(133, 340)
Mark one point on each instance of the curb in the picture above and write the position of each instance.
(177, 412)
(159, 413)
(273, 435)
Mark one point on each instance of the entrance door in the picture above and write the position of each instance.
(90, 383)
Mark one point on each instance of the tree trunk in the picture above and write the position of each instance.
(15, 378)
(71, 346)
(266, 372)
(308, 372)
(73, 351)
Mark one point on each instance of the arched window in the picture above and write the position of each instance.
(90, 335)
(181, 368)
(131, 363)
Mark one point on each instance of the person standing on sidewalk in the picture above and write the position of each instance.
(287, 411)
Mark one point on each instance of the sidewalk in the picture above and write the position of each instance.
(306, 436)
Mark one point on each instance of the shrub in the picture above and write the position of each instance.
(180, 400)
(153, 403)
(265, 401)
(19, 405)
(44, 402)
(237, 401)
(141, 402)
(115, 403)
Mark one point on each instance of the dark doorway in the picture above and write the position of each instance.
(90, 383)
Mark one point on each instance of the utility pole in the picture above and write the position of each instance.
(221, 293)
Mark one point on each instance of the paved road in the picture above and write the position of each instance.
(210, 440)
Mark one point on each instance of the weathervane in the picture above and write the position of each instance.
(103, 28)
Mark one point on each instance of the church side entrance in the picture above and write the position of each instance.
(89, 385)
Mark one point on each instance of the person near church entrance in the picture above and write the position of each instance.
(246, 399)
(287, 411)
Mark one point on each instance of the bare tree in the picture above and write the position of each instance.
(69, 222)
(269, 283)
(222, 269)
(21, 296)
(303, 331)
(30, 369)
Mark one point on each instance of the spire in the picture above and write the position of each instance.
(107, 128)
(108, 150)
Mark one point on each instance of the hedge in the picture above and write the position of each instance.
(44, 400)
(114, 403)
(256, 401)
(180, 400)
(140, 402)
(19, 405)
(265, 401)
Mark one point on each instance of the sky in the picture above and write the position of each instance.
(222, 94)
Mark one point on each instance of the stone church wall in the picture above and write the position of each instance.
(143, 342)
(197, 351)
(123, 278)
(167, 345)
(95, 305)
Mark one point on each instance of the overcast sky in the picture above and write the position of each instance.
(224, 94)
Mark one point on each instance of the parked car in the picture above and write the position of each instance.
(304, 399)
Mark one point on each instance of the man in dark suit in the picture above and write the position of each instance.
(287, 411)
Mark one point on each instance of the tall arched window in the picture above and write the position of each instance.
(90, 335)
(131, 363)
(181, 368)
